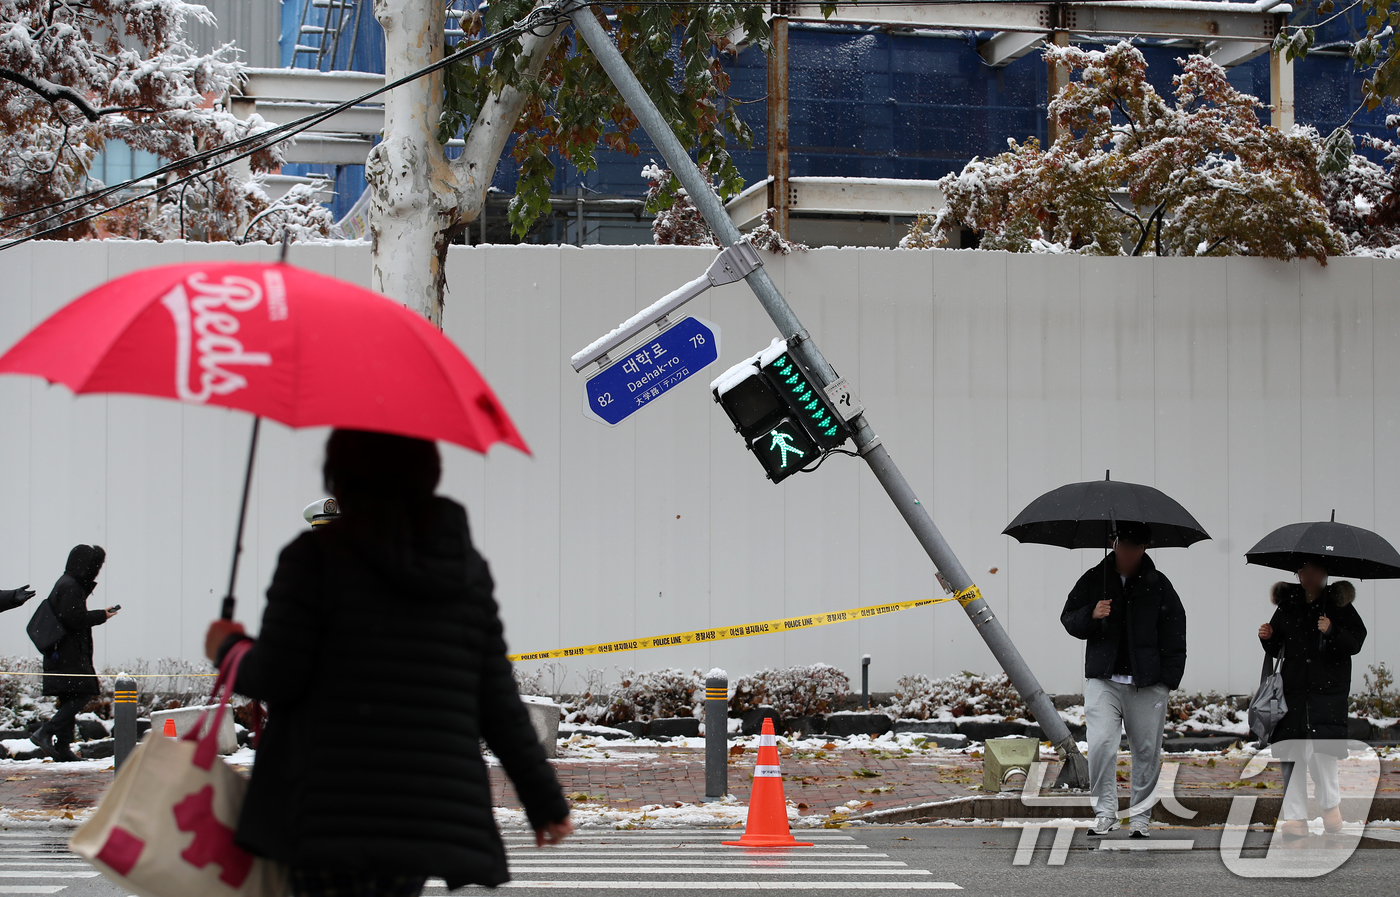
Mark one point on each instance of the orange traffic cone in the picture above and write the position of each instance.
(169, 731)
(768, 822)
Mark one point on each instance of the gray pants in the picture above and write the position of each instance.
(1111, 708)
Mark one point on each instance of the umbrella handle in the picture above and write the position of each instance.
(226, 612)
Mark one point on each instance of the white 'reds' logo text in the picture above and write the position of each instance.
(206, 320)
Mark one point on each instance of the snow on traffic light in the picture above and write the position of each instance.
(784, 418)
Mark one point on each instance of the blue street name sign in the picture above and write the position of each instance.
(651, 370)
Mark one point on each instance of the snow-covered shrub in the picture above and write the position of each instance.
(677, 221)
(922, 233)
(966, 694)
(766, 236)
(641, 697)
(528, 683)
(1381, 700)
(19, 694)
(793, 692)
(1202, 711)
(1134, 174)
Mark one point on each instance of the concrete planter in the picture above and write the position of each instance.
(842, 724)
(544, 716)
(674, 727)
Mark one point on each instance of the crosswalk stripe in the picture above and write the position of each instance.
(611, 843)
(7, 873)
(708, 870)
(31, 889)
(64, 864)
(691, 853)
(825, 864)
(677, 832)
(735, 885)
(689, 833)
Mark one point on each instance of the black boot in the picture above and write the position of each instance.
(43, 739)
(63, 752)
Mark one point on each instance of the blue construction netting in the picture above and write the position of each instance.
(868, 103)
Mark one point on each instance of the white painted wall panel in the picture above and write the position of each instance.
(1192, 432)
(969, 500)
(1257, 393)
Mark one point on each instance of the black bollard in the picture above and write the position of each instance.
(123, 719)
(865, 682)
(716, 735)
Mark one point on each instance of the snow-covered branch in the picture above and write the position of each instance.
(486, 141)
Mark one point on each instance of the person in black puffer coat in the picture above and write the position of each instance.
(1319, 631)
(1134, 624)
(383, 662)
(68, 671)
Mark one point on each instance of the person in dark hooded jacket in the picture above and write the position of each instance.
(68, 671)
(382, 659)
(1319, 631)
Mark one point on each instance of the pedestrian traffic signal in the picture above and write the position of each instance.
(785, 421)
(807, 401)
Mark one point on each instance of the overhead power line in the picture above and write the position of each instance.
(539, 18)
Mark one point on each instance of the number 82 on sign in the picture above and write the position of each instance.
(650, 369)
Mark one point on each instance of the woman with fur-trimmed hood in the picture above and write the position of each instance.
(1318, 630)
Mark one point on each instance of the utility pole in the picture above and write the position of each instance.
(1075, 771)
(779, 189)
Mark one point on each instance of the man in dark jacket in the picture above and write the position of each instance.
(1135, 626)
(383, 662)
(68, 671)
(13, 598)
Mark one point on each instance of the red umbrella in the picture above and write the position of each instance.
(273, 340)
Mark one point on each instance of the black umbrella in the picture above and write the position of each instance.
(1085, 515)
(1342, 549)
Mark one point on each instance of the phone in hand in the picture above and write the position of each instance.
(114, 608)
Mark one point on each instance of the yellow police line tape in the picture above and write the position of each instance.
(694, 637)
(723, 633)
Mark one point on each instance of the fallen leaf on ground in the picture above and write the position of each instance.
(880, 790)
(866, 773)
(736, 750)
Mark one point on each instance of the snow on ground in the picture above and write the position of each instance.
(725, 813)
(42, 820)
(79, 765)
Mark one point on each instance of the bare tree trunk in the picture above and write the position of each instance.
(411, 199)
(418, 199)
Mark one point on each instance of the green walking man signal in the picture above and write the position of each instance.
(783, 443)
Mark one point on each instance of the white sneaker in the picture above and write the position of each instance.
(1138, 829)
(1103, 825)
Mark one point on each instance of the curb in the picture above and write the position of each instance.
(1210, 810)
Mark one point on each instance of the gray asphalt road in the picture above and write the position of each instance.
(981, 860)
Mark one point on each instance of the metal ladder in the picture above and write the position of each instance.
(323, 25)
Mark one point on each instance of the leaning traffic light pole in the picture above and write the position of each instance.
(1074, 773)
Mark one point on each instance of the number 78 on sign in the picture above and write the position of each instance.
(650, 369)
